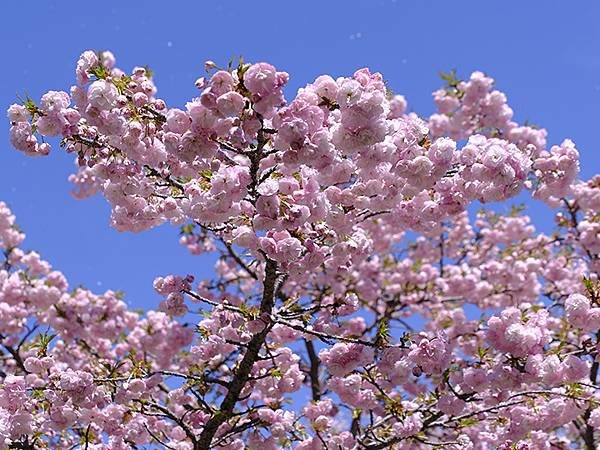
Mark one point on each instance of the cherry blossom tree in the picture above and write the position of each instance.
(358, 302)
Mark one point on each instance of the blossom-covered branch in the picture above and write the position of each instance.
(358, 300)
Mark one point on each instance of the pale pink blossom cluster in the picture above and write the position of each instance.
(342, 358)
(474, 106)
(556, 170)
(510, 334)
(357, 302)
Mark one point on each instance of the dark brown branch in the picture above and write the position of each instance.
(242, 372)
(166, 413)
(239, 261)
(588, 434)
(315, 386)
(16, 356)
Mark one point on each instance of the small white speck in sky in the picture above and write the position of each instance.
(169, 44)
(356, 36)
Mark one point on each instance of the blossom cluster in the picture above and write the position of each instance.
(358, 302)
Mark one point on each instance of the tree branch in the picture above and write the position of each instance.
(242, 372)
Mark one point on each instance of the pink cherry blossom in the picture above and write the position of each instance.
(357, 302)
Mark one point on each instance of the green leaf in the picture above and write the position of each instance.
(587, 282)
(481, 352)
(468, 422)
(450, 78)
(417, 265)
(516, 210)
(383, 333)
(206, 173)
(230, 63)
(188, 229)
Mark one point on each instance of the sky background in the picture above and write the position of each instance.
(545, 55)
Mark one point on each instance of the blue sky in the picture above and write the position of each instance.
(544, 54)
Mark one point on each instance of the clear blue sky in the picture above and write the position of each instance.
(544, 54)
